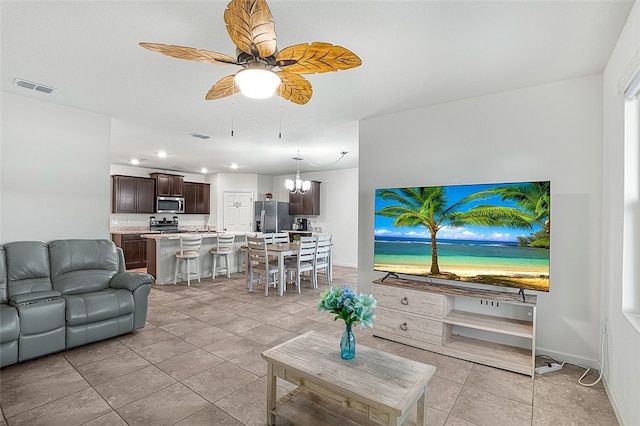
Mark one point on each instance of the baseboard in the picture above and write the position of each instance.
(346, 265)
(613, 400)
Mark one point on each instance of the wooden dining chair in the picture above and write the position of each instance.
(280, 238)
(304, 261)
(259, 264)
(323, 257)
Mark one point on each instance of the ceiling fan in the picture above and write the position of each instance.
(250, 26)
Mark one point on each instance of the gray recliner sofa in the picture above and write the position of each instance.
(65, 294)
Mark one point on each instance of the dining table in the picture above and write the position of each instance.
(282, 251)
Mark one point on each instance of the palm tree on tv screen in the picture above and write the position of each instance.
(532, 201)
(427, 206)
(418, 206)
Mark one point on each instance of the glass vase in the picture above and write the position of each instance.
(348, 343)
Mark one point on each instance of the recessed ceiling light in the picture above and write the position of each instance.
(135, 161)
(162, 154)
(234, 166)
(203, 170)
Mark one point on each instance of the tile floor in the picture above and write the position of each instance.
(197, 362)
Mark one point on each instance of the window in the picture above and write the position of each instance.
(631, 234)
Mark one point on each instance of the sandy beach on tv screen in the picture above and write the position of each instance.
(529, 278)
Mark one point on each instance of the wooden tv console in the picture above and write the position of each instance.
(422, 314)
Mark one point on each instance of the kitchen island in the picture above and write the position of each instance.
(162, 248)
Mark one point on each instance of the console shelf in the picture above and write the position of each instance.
(512, 327)
(421, 314)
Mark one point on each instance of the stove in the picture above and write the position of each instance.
(165, 226)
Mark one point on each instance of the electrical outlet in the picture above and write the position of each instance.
(552, 366)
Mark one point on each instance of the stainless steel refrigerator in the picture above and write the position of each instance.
(272, 216)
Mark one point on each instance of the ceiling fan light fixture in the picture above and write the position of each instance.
(257, 83)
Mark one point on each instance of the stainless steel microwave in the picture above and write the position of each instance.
(169, 205)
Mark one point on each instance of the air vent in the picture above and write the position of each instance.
(199, 135)
(33, 86)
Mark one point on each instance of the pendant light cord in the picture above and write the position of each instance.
(233, 104)
(342, 154)
(280, 130)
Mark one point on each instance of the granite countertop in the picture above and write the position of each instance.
(158, 236)
(132, 231)
(211, 234)
(145, 230)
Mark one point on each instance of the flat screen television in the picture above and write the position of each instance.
(496, 234)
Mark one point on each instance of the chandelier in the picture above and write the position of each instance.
(298, 186)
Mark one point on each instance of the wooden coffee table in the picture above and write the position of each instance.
(374, 388)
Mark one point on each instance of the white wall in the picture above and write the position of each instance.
(54, 171)
(549, 132)
(622, 370)
(338, 210)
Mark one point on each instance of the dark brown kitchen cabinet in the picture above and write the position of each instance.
(197, 197)
(134, 248)
(307, 204)
(130, 194)
(168, 185)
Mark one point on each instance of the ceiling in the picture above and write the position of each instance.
(414, 53)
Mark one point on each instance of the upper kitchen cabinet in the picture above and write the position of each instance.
(168, 185)
(132, 194)
(196, 197)
(307, 204)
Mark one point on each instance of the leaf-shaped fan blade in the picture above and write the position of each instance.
(294, 88)
(316, 57)
(250, 27)
(190, 53)
(224, 87)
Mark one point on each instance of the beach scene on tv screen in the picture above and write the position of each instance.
(495, 234)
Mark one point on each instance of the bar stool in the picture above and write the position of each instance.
(189, 251)
(223, 250)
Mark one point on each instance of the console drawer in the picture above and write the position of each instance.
(411, 326)
(412, 301)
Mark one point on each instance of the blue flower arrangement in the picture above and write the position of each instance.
(343, 302)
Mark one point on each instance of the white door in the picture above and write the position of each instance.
(237, 212)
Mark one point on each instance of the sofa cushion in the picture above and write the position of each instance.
(97, 306)
(9, 323)
(81, 266)
(27, 267)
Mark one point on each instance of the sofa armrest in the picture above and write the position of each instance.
(21, 299)
(130, 280)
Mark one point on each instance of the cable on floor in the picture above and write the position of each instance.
(602, 354)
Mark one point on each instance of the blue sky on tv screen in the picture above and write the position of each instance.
(383, 226)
